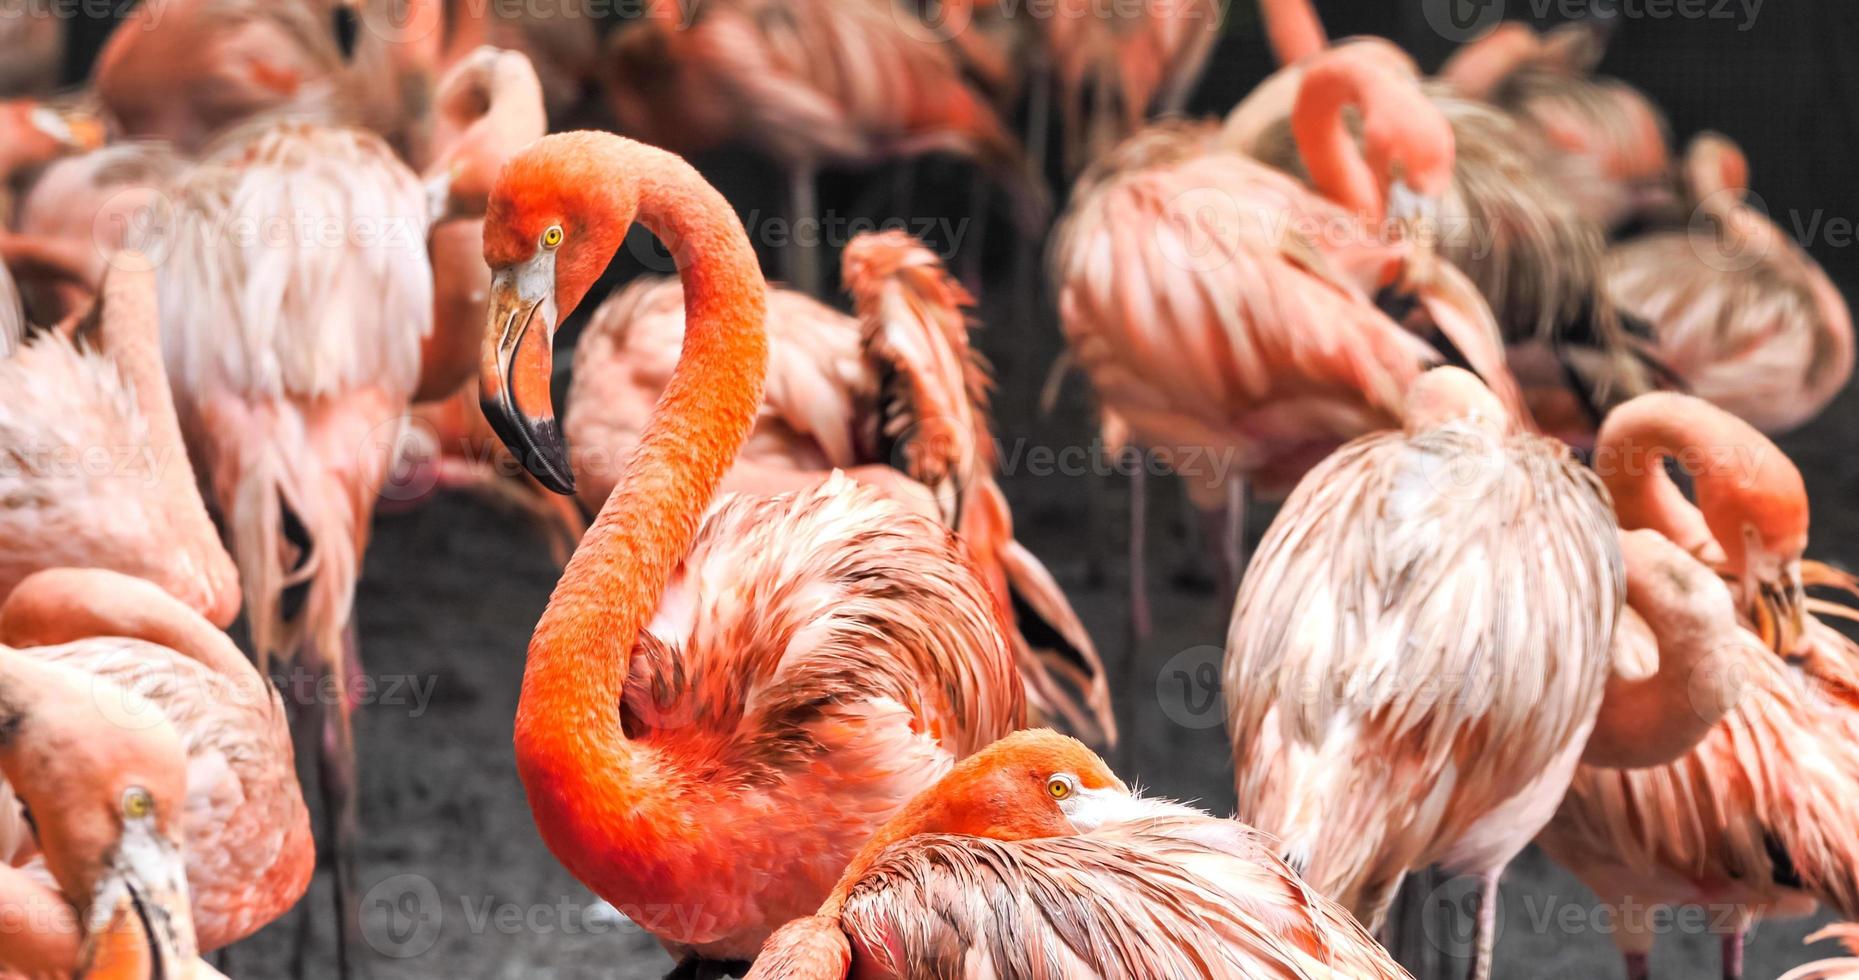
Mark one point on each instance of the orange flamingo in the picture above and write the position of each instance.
(716, 710)
(1225, 313)
(131, 505)
(1032, 859)
(105, 777)
(1758, 815)
(809, 83)
(295, 295)
(895, 397)
(1744, 316)
(1611, 152)
(1458, 583)
(1516, 233)
(249, 852)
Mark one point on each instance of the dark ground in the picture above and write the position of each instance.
(454, 880)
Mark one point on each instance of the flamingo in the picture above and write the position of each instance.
(895, 397)
(97, 474)
(1615, 158)
(1513, 229)
(716, 709)
(1743, 315)
(1032, 859)
(1225, 312)
(1840, 968)
(295, 296)
(1452, 590)
(105, 777)
(809, 83)
(1757, 815)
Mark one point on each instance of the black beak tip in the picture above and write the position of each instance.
(347, 28)
(538, 444)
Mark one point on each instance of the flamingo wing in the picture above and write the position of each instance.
(1177, 895)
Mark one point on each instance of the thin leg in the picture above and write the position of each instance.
(1733, 943)
(975, 243)
(903, 187)
(803, 247)
(1038, 116)
(336, 773)
(307, 734)
(1139, 578)
(1097, 524)
(1238, 495)
(1639, 966)
(1485, 937)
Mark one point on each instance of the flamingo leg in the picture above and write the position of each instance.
(1238, 496)
(1139, 577)
(1639, 966)
(803, 257)
(336, 773)
(1733, 943)
(975, 243)
(1038, 114)
(1485, 935)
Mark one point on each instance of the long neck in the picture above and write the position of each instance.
(1323, 140)
(1293, 29)
(569, 739)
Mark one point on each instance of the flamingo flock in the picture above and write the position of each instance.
(1502, 365)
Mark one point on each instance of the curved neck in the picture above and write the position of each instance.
(1329, 152)
(569, 738)
(51, 946)
(1735, 473)
(1477, 69)
(1293, 28)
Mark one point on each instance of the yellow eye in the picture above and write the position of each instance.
(1060, 787)
(137, 804)
(552, 237)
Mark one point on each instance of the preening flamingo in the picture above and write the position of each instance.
(105, 778)
(896, 397)
(1514, 231)
(1032, 859)
(1759, 814)
(1744, 316)
(1420, 649)
(95, 472)
(810, 83)
(1226, 314)
(295, 295)
(249, 852)
(1611, 143)
(716, 710)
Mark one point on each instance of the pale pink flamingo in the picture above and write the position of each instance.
(1759, 814)
(1226, 314)
(1840, 968)
(249, 851)
(716, 710)
(1418, 656)
(188, 71)
(1739, 312)
(894, 396)
(810, 83)
(1515, 231)
(98, 474)
(295, 293)
(1615, 159)
(1032, 859)
(105, 776)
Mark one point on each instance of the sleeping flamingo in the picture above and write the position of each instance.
(133, 507)
(1744, 316)
(716, 709)
(105, 777)
(1032, 859)
(811, 83)
(1513, 229)
(896, 397)
(294, 348)
(1451, 591)
(1759, 814)
(1225, 312)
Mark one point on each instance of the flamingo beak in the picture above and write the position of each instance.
(1779, 608)
(141, 921)
(515, 370)
(345, 26)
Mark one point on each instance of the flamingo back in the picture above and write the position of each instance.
(1418, 652)
(1173, 894)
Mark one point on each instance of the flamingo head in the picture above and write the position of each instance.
(103, 777)
(39, 133)
(489, 107)
(554, 220)
(1030, 784)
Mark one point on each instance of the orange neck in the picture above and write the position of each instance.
(582, 774)
(1336, 166)
(1293, 29)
